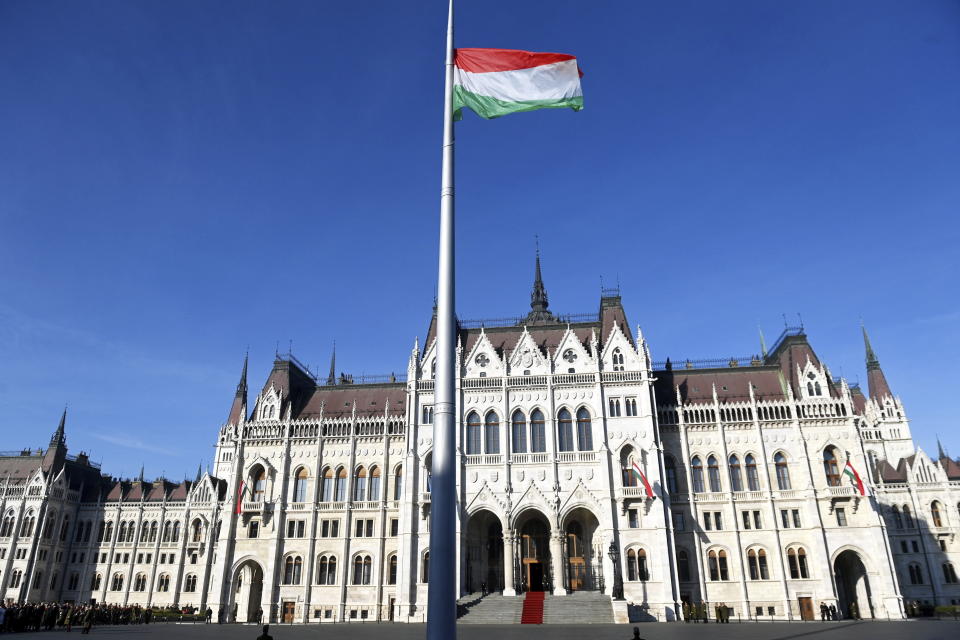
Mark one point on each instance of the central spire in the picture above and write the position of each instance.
(59, 437)
(539, 303)
(332, 376)
(876, 381)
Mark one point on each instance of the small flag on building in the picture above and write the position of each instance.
(240, 497)
(495, 82)
(851, 473)
(643, 479)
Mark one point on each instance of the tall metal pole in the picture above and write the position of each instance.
(442, 590)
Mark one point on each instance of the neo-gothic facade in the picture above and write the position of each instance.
(317, 506)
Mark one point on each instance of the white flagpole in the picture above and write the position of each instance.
(443, 588)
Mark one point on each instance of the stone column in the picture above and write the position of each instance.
(556, 563)
(509, 542)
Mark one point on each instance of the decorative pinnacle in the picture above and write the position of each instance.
(59, 436)
(332, 376)
(872, 361)
(242, 385)
(539, 302)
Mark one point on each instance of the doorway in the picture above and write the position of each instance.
(534, 554)
(806, 608)
(853, 586)
(484, 553)
(247, 592)
(582, 560)
(289, 610)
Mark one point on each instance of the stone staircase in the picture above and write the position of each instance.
(492, 608)
(581, 607)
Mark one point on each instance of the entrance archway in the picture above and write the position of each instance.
(582, 561)
(533, 552)
(853, 585)
(484, 553)
(246, 592)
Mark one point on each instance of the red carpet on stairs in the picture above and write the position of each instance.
(532, 608)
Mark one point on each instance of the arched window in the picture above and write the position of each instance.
(176, 531)
(697, 471)
(830, 467)
(783, 471)
(683, 565)
(64, 528)
(374, 484)
(340, 492)
(907, 516)
(392, 570)
(426, 567)
(916, 575)
(492, 433)
(107, 534)
(163, 583)
(757, 563)
(326, 486)
(627, 476)
(167, 531)
(359, 484)
(259, 483)
(154, 528)
(713, 474)
(564, 431)
(518, 440)
(631, 565)
(584, 430)
(140, 582)
(300, 485)
(327, 569)
(642, 571)
(117, 583)
(935, 513)
(95, 582)
(736, 480)
(797, 561)
(949, 573)
(197, 530)
(753, 478)
(6, 529)
(671, 467)
(292, 568)
(361, 569)
(398, 483)
(190, 583)
(617, 360)
(717, 562)
(538, 432)
(897, 519)
(473, 434)
(428, 471)
(131, 531)
(122, 533)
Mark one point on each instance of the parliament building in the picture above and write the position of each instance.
(586, 471)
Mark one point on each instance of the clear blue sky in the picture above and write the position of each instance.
(181, 179)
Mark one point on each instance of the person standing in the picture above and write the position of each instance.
(265, 635)
(88, 620)
(686, 612)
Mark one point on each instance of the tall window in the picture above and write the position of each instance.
(538, 433)
(797, 561)
(190, 584)
(361, 570)
(292, 568)
(907, 516)
(683, 565)
(426, 567)
(300, 485)
(697, 472)
(916, 575)
(491, 433)
(671, 466)
(360, 484)
(935, 512)
(473, 434)
(259, 484)
(757, 563)
(736, 480)
(949, 573)
(631, 565)
(392, 570)
(627, 476)
(584, 430)
(713, 474)
(398, 484)
(830, 467)
(617, 360)
(518, 442)
(753, 478)
(783, 472)
(564, 431)
(374, 484)
(717, 562)
(326, 488)
(139, 583)
(163, 583)
(327, 570)
(340, 493)
(197, 530)
(117, 583)
(897, 519)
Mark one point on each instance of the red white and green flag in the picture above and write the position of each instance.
(239, 505)
(495, 82)
(646, 485)
(851, 473)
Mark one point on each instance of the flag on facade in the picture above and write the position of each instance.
(851, 473)
(643, 479)
(240, 497)
(495, 82)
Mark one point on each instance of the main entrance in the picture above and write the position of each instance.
(535, 554)
(247, 592)
(484, 553)
(853, 585)
(581, 559)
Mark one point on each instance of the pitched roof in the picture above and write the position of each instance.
(696, 385)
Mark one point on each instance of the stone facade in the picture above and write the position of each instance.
(317, 506)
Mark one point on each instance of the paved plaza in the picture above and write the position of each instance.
(914, 630)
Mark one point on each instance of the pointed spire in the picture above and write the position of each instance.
(238, 410)
(59, 438)
(940, 452)
(332, 376)
(539, 301)
(140, 477)
(763, 343)
(876, 381)
(199, 474)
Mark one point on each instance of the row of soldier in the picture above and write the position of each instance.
(46, 616)
(698, 612)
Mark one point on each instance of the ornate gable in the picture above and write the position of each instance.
(618, 353)
(483, 361)
(487, 499)
(533, 497)
(813, 381)
(526, 358)
(571, 355)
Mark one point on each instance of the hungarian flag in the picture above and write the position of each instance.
(643, 479)
(495, 82)
(851, 473)
(240, 497)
